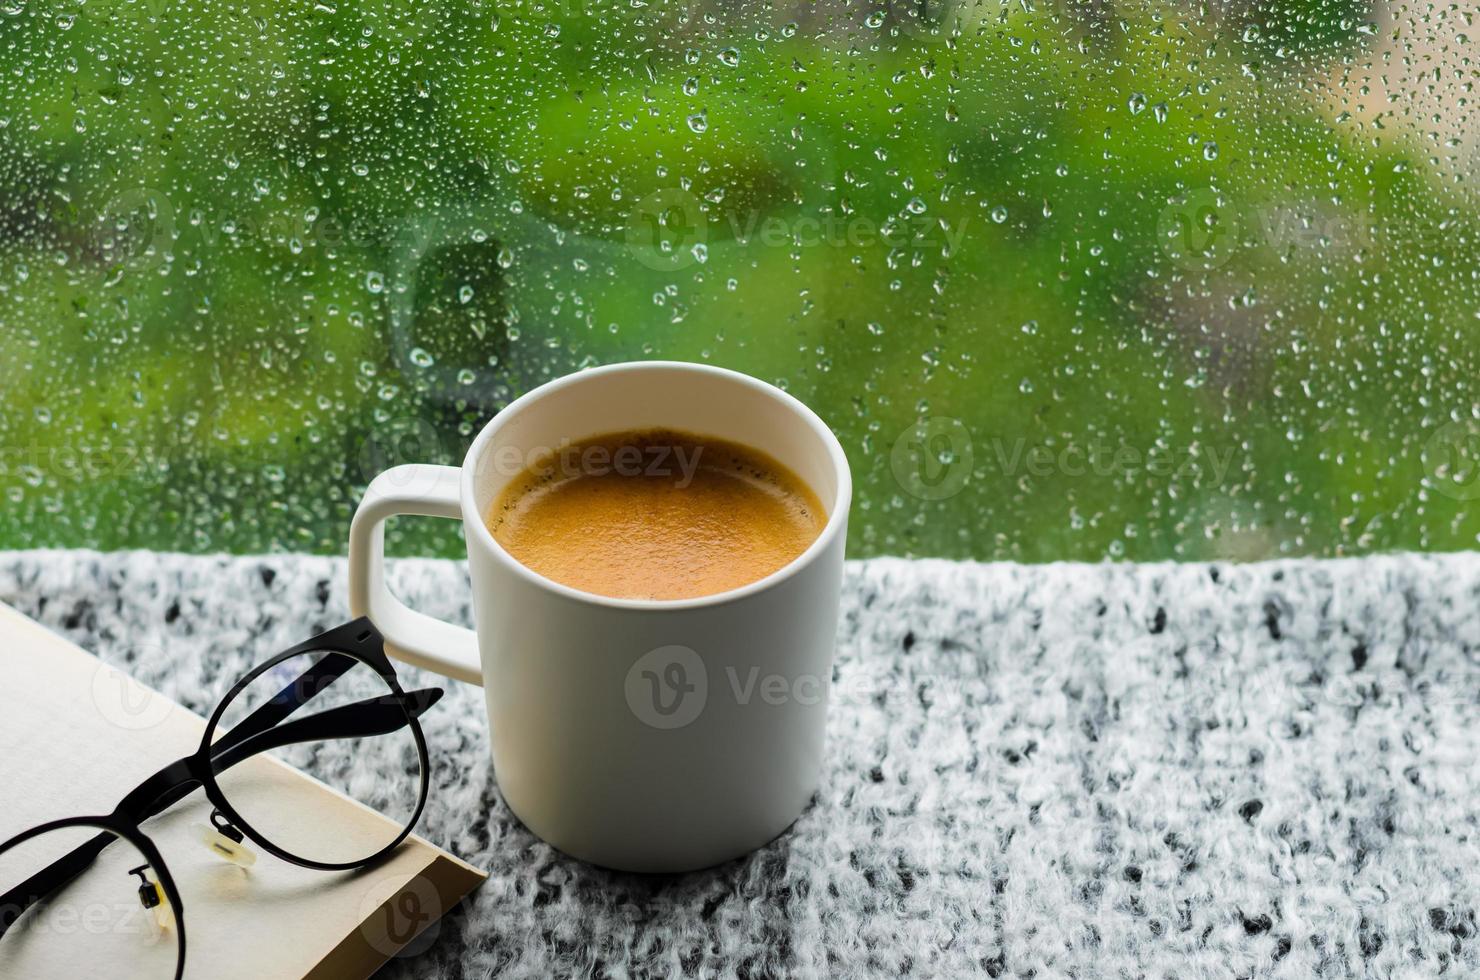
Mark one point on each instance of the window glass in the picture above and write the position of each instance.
(1070, 280)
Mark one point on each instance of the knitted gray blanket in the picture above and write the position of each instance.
(1033, 771)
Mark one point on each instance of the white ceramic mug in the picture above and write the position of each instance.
(637, 734)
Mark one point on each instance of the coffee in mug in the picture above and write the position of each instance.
(656, 514)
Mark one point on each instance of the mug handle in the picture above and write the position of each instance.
(422, 490)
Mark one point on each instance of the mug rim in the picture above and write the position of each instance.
(474, 526)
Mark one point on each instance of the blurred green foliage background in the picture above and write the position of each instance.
(1070, 280)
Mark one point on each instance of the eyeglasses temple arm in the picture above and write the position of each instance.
(362, 719)
(324, 672)
(14, 903)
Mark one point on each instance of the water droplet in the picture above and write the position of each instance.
(1137, 103)
(698, 123)
(375, 281)
(1210, 150)
(421, 357)
(999, 214)
(730, 57)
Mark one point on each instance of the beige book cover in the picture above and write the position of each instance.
(76, 735)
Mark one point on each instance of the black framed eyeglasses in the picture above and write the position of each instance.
(363, 739)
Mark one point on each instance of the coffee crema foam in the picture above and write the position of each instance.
(656, 514)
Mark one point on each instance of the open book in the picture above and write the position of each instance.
(76, 735)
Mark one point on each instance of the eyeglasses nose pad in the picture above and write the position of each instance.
(152, 896)
(225, 841)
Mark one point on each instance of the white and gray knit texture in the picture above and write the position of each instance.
(1094, 771)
